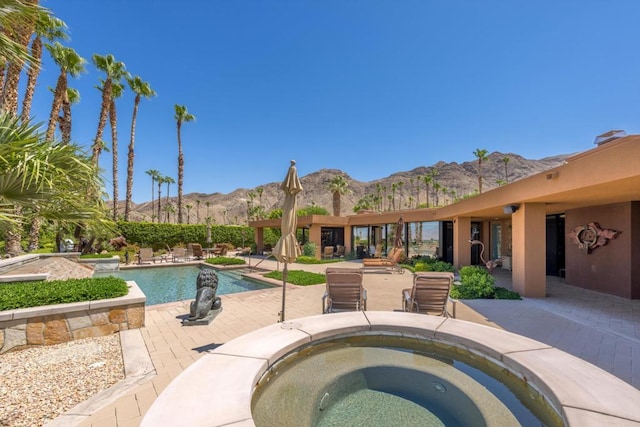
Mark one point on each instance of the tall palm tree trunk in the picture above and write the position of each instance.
(32, 77)
(34, 233)
(65, 120)
(58, 96)
(10, 89)
(159, 199)
(130, 156)
(114, 151)
(13, 237)
(180, 176)
(102, 122)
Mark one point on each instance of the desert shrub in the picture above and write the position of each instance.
(35, 294)
(309, 249)
(299, 277)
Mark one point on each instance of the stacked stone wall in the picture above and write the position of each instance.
(74, 325)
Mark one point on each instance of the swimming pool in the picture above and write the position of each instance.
(168, 284)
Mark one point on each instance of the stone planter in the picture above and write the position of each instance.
(55, 324)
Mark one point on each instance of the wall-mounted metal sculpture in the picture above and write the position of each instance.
(591, 236)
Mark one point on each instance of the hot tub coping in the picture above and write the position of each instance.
(583, 394)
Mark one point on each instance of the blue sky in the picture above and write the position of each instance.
(368, 87)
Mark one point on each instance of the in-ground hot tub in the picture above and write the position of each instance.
(219, 389)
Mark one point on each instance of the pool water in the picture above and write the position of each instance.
(167, 284)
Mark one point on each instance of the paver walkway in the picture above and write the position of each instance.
(601, 329)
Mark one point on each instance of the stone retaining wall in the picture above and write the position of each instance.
(68, 322)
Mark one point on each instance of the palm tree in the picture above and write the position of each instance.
(19, 29)
(13, 14)
(153, 174)
(436, 191)
(182, 116)
(51, 28)
(70, 63)
(115, 71)
(41, 178)
(505, 160)
(116, 92)
(140, 88)
(188, 207)
(198, 201)
(168, 180)
(250, 208)
(169, 209)
(394, 188)
(338, 187)
(64, 121)
(207, 204)
(427, 182)
(160, 180)
(481, 155)
(379, 196)
(260, 190)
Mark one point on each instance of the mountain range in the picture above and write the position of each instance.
(458, 179)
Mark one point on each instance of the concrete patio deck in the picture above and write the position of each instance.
(601, 329)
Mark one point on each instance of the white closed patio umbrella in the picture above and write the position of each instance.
(287, 249)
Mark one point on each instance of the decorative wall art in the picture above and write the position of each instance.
(591, 236)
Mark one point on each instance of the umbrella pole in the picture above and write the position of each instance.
(284, 289)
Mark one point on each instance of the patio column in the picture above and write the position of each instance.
(461, 246)
(315, 237)
(348, 244)
(259, 239)
(529, 250)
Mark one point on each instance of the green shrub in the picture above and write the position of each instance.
(96, 256)
(313, 260)
(299, 277)
(419, 266)
(35, 294)
(304, 259)
(223, 260)
(502, 293)
(477, 282)
(309, 249)
(427, 264)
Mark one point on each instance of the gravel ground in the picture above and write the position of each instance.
(39, 384)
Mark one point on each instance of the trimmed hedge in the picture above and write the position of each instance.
(299, 277)
(35, 294)
(223, 260)
(158, 236)
(303, 259)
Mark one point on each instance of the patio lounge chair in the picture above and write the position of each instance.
(388, 263)
(344, 291)
(327, 252)
(179, 254)
(196, 251)
(429, 294)
(145, 256)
